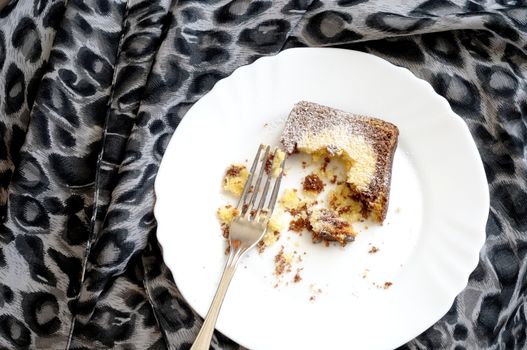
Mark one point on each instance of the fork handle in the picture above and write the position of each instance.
(204, 337)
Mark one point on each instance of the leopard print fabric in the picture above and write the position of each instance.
(93, 90)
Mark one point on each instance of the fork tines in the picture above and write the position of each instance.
(257, 187)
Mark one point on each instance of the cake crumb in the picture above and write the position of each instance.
(225, 215)
(387, 285)
(276, 163)
(397, 210)
(297, 278)
(300, 210)
(313, 183)
(327, 226)
(274, 227)
(304, 164)
(269, 163)
(290, 200)
(299, 224)
(225, 230)
(235, 178)
(260, 247)
(373, 250)
(282, 262)
(233, 170)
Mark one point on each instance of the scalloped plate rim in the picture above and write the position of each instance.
(186, 123)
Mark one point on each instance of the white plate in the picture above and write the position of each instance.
(428, 245)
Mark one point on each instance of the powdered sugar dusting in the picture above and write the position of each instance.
(308, 118)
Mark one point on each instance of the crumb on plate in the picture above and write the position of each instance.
(313, 184)
(373, 250)
(235, 178)
(290, 200)
(297, 278)
(282, 262)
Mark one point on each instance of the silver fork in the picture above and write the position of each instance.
(245, 232)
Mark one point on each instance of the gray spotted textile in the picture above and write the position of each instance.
(91, 92)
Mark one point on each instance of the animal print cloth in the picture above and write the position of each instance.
(91, 92)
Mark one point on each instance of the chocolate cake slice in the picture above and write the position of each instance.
(365, 145)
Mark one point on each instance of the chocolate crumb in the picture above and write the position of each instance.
(269, 163)
(296, 211)
(304, 164)
(225, 230)
(234, 170)
(387, 285)
(313, 183)
(281, 263)
(260, 247)
(373, 250)
(298, 225)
